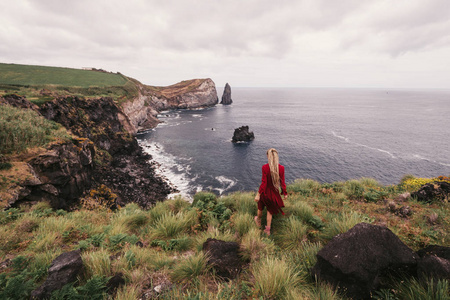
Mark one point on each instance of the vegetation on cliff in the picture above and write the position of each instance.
(23, 129)
(159, 250)
(40, 83)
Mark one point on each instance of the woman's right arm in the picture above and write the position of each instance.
(263, 184)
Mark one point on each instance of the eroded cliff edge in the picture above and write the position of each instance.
(143, 109)
(103, 132)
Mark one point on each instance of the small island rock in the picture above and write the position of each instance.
(242, 134)
(226, 97)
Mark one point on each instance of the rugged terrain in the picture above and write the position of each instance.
(103, 120)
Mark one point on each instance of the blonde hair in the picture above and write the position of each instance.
(272, 157)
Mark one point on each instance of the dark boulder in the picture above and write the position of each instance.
(435, 267)
(226, 97)
(434, 262)
(358, 259)
(436, 250)
(224, 257)
(242, 134)
(434, 191)
(114, 283)
(63, 270)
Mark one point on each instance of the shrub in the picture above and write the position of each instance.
(205, 197)
(274, 278)
(305, 187)
(100, 198)
(353, 189)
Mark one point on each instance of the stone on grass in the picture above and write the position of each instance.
(223, 257)
(63, 270)
(356, 260)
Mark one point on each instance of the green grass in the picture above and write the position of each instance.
(172, 233)
(41, 84)
(28, 75)
(23, 129)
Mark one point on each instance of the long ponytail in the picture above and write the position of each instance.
(272, 157)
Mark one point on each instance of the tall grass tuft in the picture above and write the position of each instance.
(170, 225)
(190, 268)
(291, 233)
(97, 263)
(243, 222)
(253, 245)
(430, 289)
(274, 278)
(342, 224)
(241, 202)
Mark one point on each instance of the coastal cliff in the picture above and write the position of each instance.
(143, 109)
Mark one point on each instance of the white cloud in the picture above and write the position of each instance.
(247, 43)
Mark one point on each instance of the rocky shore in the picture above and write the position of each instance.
(103, 150)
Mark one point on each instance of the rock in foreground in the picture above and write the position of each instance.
(357, 259)
(242, 134)
(224, 257)
(63, 270)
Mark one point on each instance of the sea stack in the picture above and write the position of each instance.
(242, 134)
(226, 97)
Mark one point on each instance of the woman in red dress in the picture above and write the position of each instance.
(269, 191)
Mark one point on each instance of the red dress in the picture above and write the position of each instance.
(269, 196)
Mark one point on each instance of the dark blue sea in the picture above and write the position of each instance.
(324, 134)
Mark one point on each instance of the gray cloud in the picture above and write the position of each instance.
(314, 42)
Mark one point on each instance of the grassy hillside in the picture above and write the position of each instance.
(25, 75)
(171, 235)
(40, 84)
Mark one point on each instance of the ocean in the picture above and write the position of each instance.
(323, 134)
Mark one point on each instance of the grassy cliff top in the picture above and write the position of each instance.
(176, 89)
(26, 75)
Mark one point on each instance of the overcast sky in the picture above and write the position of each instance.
(260, 43)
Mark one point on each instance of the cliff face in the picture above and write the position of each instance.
(190, 94)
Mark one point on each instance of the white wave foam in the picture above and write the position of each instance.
(362, 145)
(417, 156)
(169, 169)
(226, 183)
(341, 137)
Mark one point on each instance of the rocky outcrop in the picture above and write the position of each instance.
(435, 191)
(18, 101)
(223, 257)
(125, 170)
(142, 110)
(226, 97)
(99, 120)
(59, 175)
(357, 260)
(63, 270)
(434, 262)
(242, 134)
